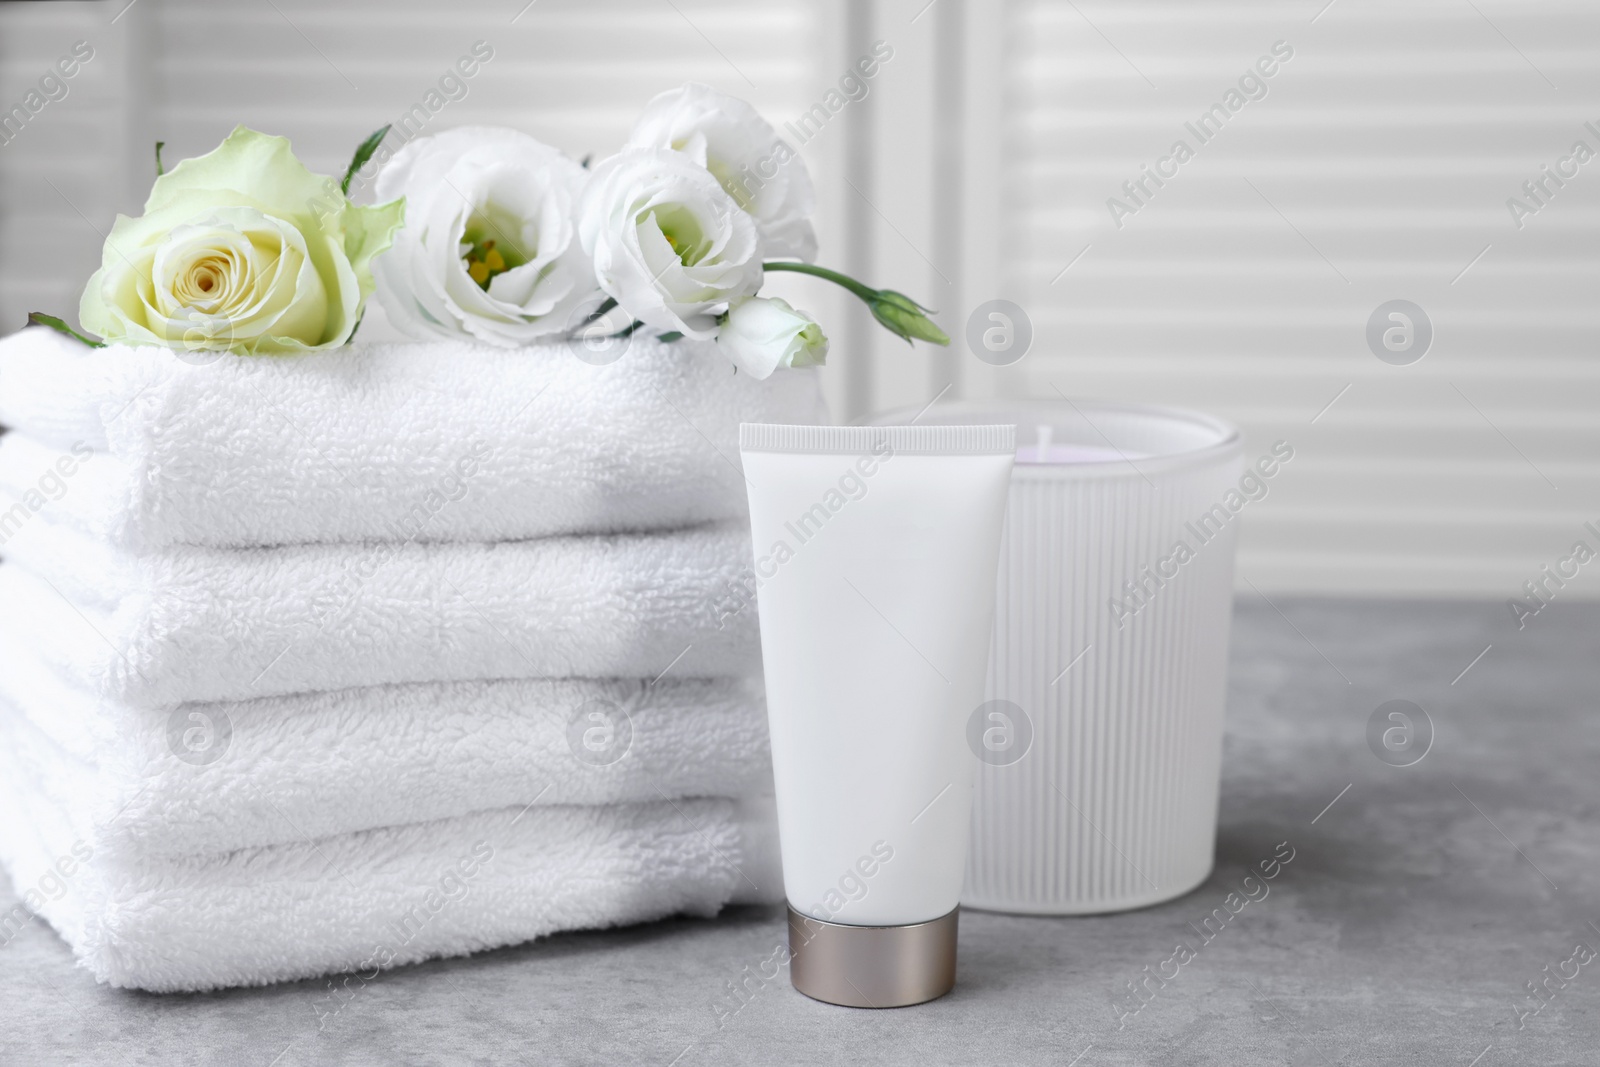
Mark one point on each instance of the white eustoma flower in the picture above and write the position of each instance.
(490, 246)
(666, 242)
(761, 334)
(745, 154)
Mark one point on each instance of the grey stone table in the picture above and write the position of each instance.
(1419, 904)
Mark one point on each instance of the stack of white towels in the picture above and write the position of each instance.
(333, 663)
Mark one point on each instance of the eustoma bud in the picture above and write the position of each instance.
(904, 317)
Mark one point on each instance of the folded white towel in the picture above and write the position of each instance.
(200, 778)
(368, 901)
(232, 624)
(436, 441)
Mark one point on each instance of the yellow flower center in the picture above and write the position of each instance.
(683, 234)
(484, 261)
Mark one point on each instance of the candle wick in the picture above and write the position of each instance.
(1042, 445)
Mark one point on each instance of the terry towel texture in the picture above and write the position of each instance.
(201, 778)
(335, 663)
(233, 624)
(367, 901)
(433, 442)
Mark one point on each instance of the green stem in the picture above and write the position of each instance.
(600, 312)
(895, 312)
(864, 292)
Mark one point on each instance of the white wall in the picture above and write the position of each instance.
(1377, 166)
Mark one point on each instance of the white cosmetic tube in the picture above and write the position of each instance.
(876, 549)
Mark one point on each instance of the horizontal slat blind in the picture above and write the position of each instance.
(1377, 166)
(574, 74)
(60, 181)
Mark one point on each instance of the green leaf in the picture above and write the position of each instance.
(670, 336)
(160, 169)
(363, 153)
(39, 318)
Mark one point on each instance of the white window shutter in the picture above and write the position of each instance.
(1377, 167)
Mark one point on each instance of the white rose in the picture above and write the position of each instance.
(242, 249)
(490, 247)
(742, 151)
(762, 334)
(666, 242)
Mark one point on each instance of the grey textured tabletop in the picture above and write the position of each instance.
(1420, 904)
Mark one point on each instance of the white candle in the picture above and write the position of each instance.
(1045, 450)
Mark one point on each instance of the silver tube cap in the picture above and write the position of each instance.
(872, 966)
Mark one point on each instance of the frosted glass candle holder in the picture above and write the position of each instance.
(1100, 742)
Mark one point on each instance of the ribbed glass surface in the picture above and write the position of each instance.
(1115, 803)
